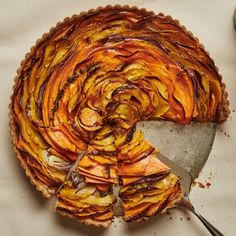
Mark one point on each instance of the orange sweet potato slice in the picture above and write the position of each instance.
(129, 180)
(104, 216)
(134, 212)
(144, 167)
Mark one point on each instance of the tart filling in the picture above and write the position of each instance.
(83, 88)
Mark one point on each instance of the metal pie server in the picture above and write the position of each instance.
(186, 182)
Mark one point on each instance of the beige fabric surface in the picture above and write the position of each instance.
(24, 212)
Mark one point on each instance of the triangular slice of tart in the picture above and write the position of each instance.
(147, 184)
(91, 203)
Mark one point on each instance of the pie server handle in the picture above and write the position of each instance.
(186, 203)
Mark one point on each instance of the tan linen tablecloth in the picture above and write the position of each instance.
(24, 212)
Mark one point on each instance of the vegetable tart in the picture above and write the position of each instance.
(79, 94)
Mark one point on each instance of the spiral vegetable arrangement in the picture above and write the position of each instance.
(79, 94)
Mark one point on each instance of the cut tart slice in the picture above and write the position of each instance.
(87, 192)
(147, 186)
(85, 85)
(149, 196)
(89, 203)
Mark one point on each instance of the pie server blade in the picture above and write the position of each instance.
(185, 177)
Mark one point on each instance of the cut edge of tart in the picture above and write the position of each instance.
(222, 115)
